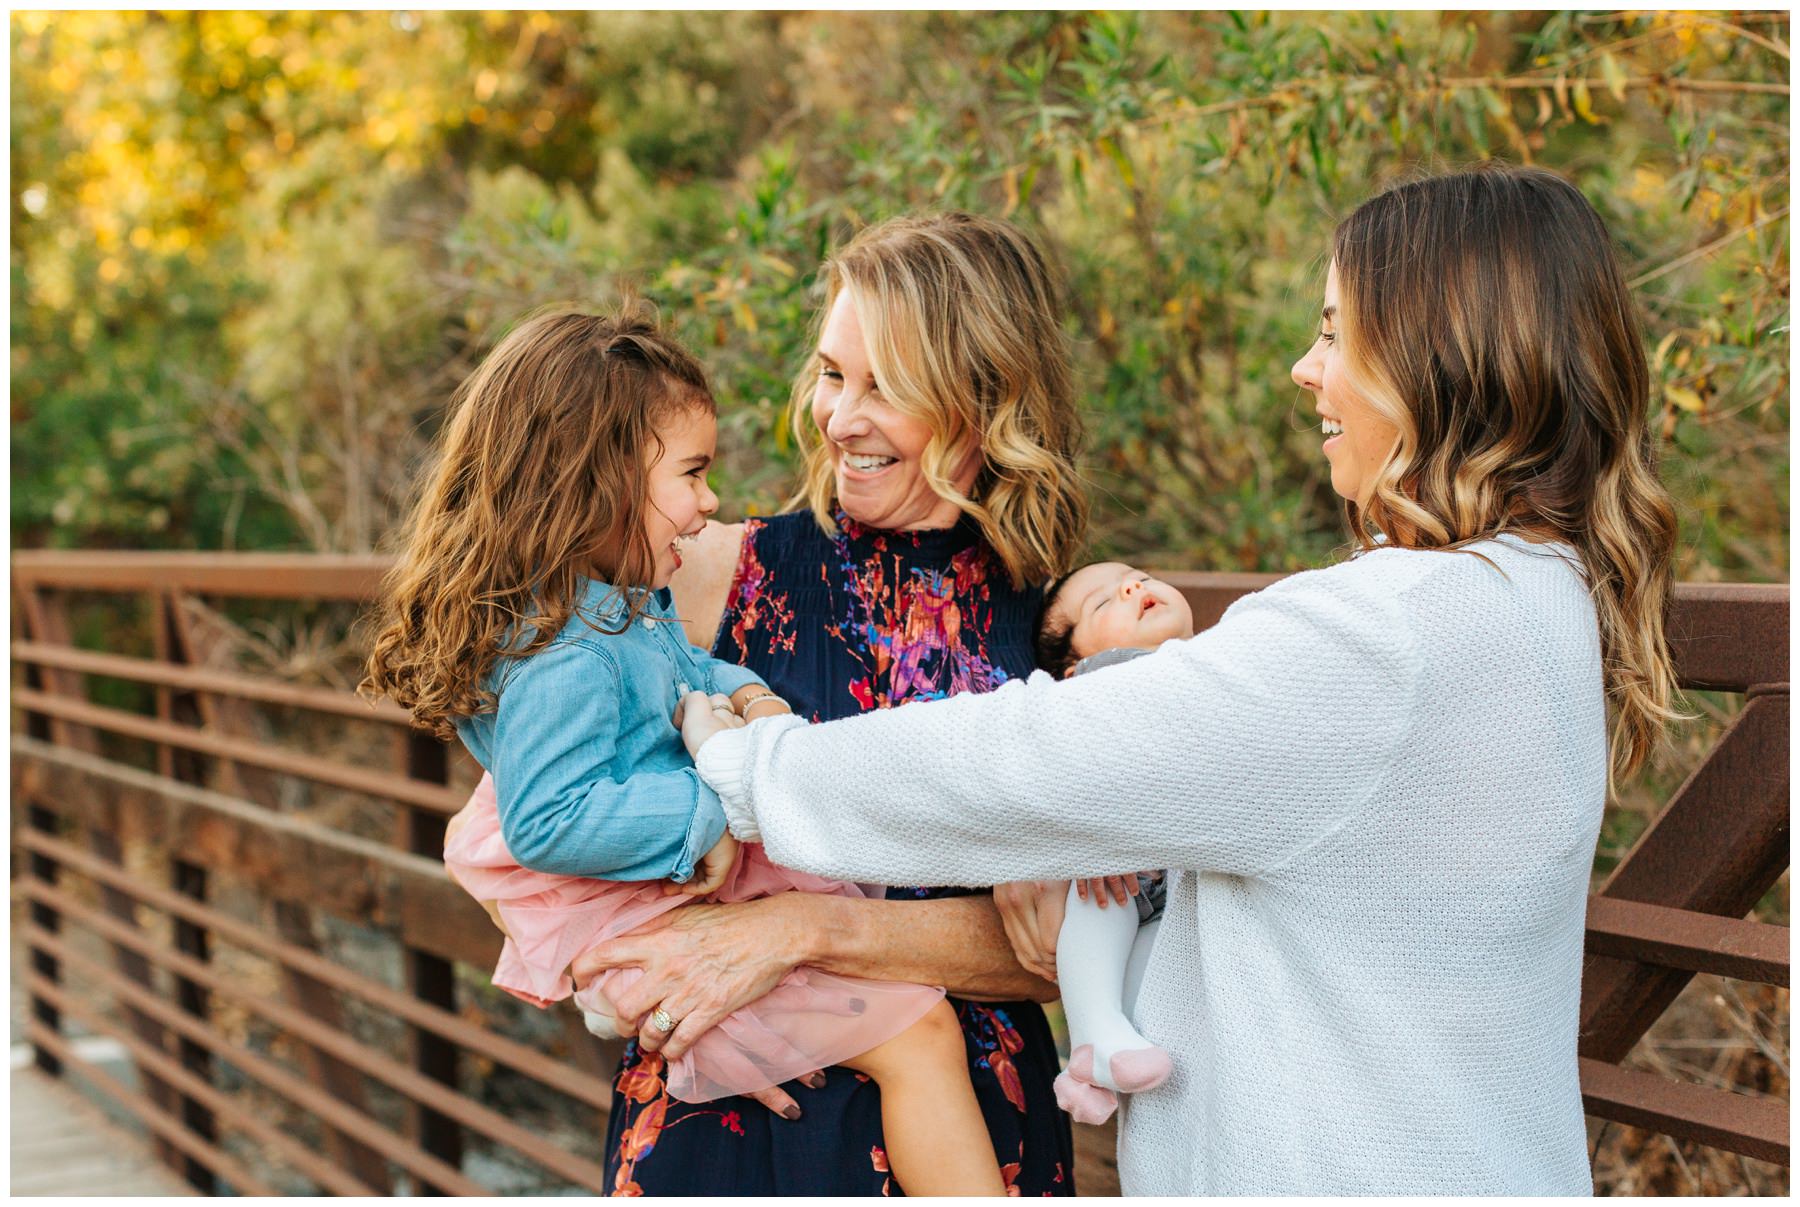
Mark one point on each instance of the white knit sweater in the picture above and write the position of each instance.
(1378, 788)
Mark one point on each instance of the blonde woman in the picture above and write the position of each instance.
(940, 494)
(1378, 785)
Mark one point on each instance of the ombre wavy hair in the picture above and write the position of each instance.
(540, 481)
(1485, 315)
(964, 330)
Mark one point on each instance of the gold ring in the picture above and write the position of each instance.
(662, 1020)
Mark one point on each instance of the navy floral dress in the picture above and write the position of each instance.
(839, 625)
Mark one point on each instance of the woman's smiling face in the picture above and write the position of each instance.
(1358, 438)
(875, 449)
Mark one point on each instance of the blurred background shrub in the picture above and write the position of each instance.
(254, 252)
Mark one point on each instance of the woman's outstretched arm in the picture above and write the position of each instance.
(1231, 751)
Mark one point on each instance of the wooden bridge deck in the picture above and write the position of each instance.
(63, 1145)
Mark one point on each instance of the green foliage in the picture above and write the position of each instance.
(254, 252)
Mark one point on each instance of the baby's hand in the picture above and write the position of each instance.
(1120, 888)
(710, 872)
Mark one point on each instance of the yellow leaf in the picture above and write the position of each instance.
(1584, 103)
(1685, 398)
(1614, 76)
(1120, 161)
(1662, 349)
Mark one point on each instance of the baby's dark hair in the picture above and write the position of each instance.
(1053, 643)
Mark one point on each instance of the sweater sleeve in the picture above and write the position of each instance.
(564, 805)
(1232, 751)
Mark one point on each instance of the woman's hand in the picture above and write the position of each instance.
(700, 716)
(1032, 913)
(700, 963)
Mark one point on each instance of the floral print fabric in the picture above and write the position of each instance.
(838, 624)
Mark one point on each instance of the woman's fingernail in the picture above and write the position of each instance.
(813, 1081)
(790, 1111)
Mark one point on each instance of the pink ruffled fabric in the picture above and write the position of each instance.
(810, 1020)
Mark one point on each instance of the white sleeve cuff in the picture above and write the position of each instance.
(724, 764)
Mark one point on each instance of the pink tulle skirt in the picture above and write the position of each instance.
(810, 1020)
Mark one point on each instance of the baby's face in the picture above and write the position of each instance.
(1112, 606)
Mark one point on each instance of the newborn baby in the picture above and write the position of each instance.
(1100, 615)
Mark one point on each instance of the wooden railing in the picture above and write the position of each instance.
(180, 861)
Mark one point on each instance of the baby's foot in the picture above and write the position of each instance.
(1140, 1069)
(1077, 1094)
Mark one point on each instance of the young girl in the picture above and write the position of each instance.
(529, 615)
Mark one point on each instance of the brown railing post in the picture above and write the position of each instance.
(191, 940)
(1722, 840)
(188, 879)
(431, 978)
(42, 869)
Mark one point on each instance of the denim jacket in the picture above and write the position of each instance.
(590, 771)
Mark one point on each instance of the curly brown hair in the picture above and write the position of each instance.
(539, 482)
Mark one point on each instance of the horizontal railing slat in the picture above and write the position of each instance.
(159, 1121)
(224, 928)
(1739, 1123)
(224, 683)
(228, 1113)
(1677, 938)
(408, 1082)
(323, 576)
(379, 784)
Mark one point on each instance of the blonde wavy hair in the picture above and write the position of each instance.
(540, 481)
(964, 331)
(1484, 314)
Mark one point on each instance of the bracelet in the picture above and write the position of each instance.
(752, 701)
